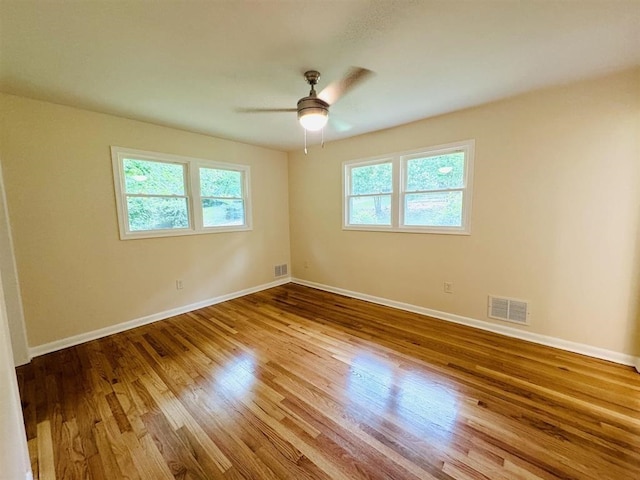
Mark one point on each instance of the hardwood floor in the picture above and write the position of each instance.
(295, 383)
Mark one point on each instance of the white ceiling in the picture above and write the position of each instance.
(192, 64)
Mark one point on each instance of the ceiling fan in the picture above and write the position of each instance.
(313, 110)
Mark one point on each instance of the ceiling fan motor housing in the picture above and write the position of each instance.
(310, 105)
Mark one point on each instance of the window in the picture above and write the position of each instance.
(164, 195)
(369, 194)
(425, 191)
(221, 196)
(156, 195)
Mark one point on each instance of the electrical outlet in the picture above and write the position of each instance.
(179, 285)
(448, 287)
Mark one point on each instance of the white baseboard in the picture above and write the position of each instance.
(121, 327)
(580, 348)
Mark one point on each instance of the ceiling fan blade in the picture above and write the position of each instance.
(265, 110)
(339, 125)
(332, 92)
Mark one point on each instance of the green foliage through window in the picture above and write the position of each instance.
(424, 191)
(153, 178)
(157, 213)
(370, 201)
(371, 179)
(435, 173)
(220, 183)
(222, 202)
(161, 195)
(164, 205)
(442, 209)
(438, 178)
(370, 210)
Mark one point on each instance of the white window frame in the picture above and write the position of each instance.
(399, 172)
(192, 193)
(347, 167)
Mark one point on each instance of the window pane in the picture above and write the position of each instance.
(220, 183)
(374, 210)
(439, 209)
(153, 178)
(436, 173)
(216, 213)
(371, 179)
(149, 213)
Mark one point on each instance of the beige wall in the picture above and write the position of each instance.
(556, 210)
(76, 275)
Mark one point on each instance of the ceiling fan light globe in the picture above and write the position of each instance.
(313, 113)
(314, 120)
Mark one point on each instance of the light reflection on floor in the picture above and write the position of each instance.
(376, 388)
(236, 378)
(369, 383)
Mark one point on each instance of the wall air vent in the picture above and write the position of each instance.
(281, 270)
(509, 309)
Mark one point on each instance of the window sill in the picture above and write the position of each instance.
(183, 232)
(424, 230)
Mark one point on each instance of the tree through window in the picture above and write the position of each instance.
(426, 191)
(164, 195)
(370, 194)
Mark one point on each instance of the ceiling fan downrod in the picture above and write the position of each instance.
(312, 77)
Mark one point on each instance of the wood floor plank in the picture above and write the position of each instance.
(296, 383)
(33, 457)
(46, 460)
(108, 462)
(147, 458)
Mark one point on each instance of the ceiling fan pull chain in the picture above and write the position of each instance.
(322, 133)
(305, 141)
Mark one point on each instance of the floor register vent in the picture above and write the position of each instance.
(509, 309)
(281, 270)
